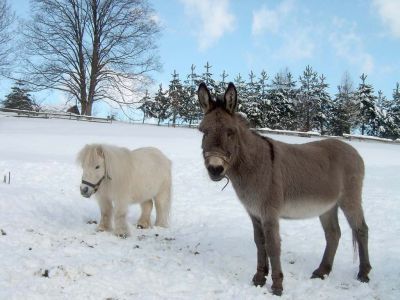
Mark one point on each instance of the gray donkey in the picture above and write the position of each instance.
(277, 180)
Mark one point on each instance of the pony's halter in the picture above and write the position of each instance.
(94, 186)
(226, 159)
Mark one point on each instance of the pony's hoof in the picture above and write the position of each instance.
(123, 235)
(143, 226)
(101, 228)
(259, 279)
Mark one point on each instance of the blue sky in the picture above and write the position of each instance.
(238, 36)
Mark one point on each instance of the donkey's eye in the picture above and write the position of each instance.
(97, 167)
(230, 133)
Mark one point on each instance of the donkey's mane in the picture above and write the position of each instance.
(246, 124)
(269, 141)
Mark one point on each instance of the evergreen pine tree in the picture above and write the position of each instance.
(162, 106)
(222, 85)
(343, 116)
(19, 98)
(368, 114)
(307, 105)
(392, 124)
(281, 95)
(146, 106)
(175, 95)
(190, 110)
(240, 85)
(207, 78)
(324, 104)
(251, 104)
(263, 97)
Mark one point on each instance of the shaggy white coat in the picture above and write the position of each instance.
(124, 176)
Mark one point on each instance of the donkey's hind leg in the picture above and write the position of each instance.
(144, 220)
(163, 204)
(330, 224)
(355, 217)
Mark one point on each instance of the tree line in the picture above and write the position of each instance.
(283, 102)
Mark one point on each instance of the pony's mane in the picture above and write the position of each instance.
(115, 158)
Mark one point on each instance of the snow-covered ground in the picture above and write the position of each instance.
(49, 248)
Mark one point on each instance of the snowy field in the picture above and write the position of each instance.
(49, 248)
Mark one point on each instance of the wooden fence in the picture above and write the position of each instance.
(71, 116)
(55, 115)
(350, 137)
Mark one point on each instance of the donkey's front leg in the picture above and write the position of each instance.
(262, 259)
(273, 246)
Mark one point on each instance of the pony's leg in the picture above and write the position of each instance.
(106, 210)
(144, 220)
(355, 216)
(262, 259)
(330, 224)
(163, 204)
(121, 226)
(270, 227)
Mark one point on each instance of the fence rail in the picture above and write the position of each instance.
(350, 137)
(71, 116)
(55, 115)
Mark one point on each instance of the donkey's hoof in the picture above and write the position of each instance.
(259, 279)
(277, 291)
(318, 274)
(363, 278)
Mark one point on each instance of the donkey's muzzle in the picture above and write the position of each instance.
(216, 172)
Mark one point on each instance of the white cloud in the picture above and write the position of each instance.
(213, 17)
(349, 45)
(298, 45)
(389, 11)
(282, 22)
(270, 20)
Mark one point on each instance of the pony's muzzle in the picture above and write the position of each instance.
(86, 191)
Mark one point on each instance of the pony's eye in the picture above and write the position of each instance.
(97, 167)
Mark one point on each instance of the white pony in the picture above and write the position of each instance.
(119, 177)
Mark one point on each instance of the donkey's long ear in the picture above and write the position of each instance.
(205, 98)
(230, 98)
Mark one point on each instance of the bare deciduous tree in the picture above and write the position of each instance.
(91, 49)
(6, 21)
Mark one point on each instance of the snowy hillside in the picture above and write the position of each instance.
(49, 248)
